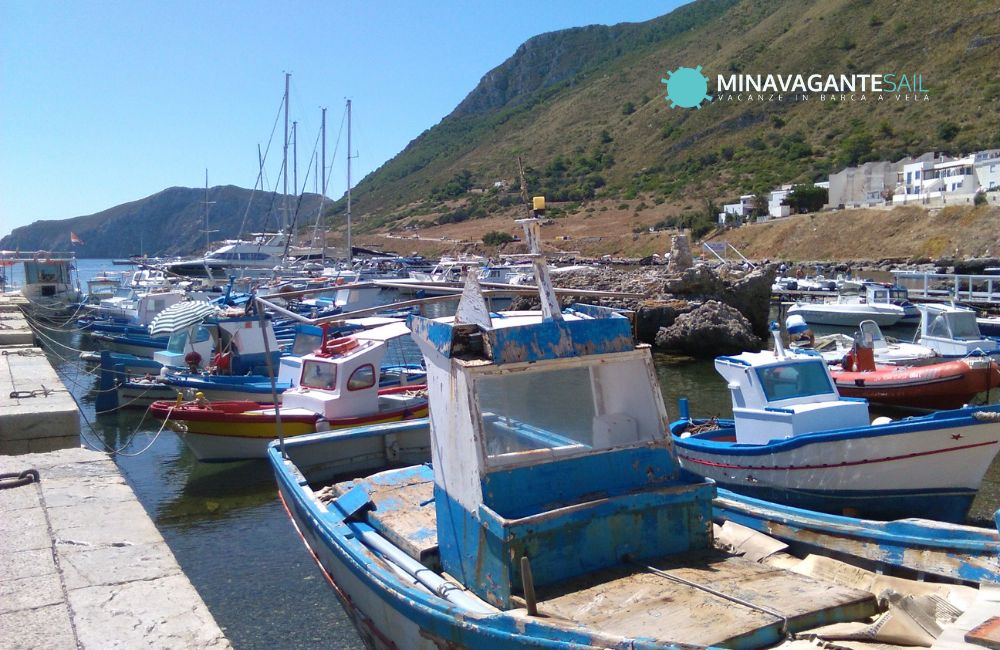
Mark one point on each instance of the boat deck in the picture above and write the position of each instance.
(649, 600)
(668, 599)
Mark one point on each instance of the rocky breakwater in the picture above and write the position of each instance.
(701, 310)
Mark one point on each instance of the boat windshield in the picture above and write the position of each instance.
(955, 325)
(306, 343)
(319, 374)
(795, 380)
(179, 340)
(880, 295)
(964, 326)
(537, 410)
(565, 410)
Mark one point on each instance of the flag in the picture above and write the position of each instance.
(74, 239)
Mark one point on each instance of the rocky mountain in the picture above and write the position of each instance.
(171, 222)
(585, 109)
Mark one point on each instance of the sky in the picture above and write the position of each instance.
(109, 101)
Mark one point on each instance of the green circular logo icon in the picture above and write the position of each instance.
(686, 87)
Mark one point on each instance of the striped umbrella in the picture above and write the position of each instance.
(179, 316)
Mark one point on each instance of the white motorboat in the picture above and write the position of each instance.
(848, 310)
(953, 331)
(50, 285)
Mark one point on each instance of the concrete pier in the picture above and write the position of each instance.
(37, 413)
(14, 328)
(82, 565)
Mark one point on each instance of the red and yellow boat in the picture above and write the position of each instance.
(338, 388)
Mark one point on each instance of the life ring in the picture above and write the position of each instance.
(338, 346)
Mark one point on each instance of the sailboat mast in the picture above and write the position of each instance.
(207, 239)
(284, 164)
(322, 187)
(350, 247)
(207, 203)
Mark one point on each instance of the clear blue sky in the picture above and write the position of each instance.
(109, 101)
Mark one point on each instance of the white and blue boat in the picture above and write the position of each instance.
(554, 515)
(953, 331)
(793, 439)
(886, 305)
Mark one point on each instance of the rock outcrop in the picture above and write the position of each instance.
(711, 329)
(661, 298)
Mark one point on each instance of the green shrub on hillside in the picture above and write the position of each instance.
(497, 238)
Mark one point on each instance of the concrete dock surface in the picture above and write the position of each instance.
(37, 412)
(83, 566)
(14, 329)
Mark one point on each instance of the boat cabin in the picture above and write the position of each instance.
(104, 285)
(340, 379)
(778, 395)
(238, 339)
(49, 277)
(546, 433)
(953, 331)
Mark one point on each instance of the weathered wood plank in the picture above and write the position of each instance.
(632, 601)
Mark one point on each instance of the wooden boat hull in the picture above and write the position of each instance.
(929, 466)
(949, 551)
(389, 611)
(140, 347)
(136, 394)
(947, 385)
(240, 429)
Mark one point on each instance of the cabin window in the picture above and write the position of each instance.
(536, 410)
(319, 374)
(361, 378)
(963, 326)
(179, 340)
(795, 380)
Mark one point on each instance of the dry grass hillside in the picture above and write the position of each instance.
(902, 232)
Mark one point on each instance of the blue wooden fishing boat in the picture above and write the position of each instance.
(918, 547)
(555, 514)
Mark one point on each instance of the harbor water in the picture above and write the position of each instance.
(230, 533)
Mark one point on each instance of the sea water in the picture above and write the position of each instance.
(230, 533)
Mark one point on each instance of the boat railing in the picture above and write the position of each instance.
(499, 291)
(38, 256)
(942, 287)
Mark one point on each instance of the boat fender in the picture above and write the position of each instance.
(322, 424)
(847, 363)
(881, 420)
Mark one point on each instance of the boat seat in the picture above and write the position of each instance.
(402, 509)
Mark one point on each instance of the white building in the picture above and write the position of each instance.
(742, 210)
(775, 200)
(987, 170)
(867, 184)
(945, 178)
